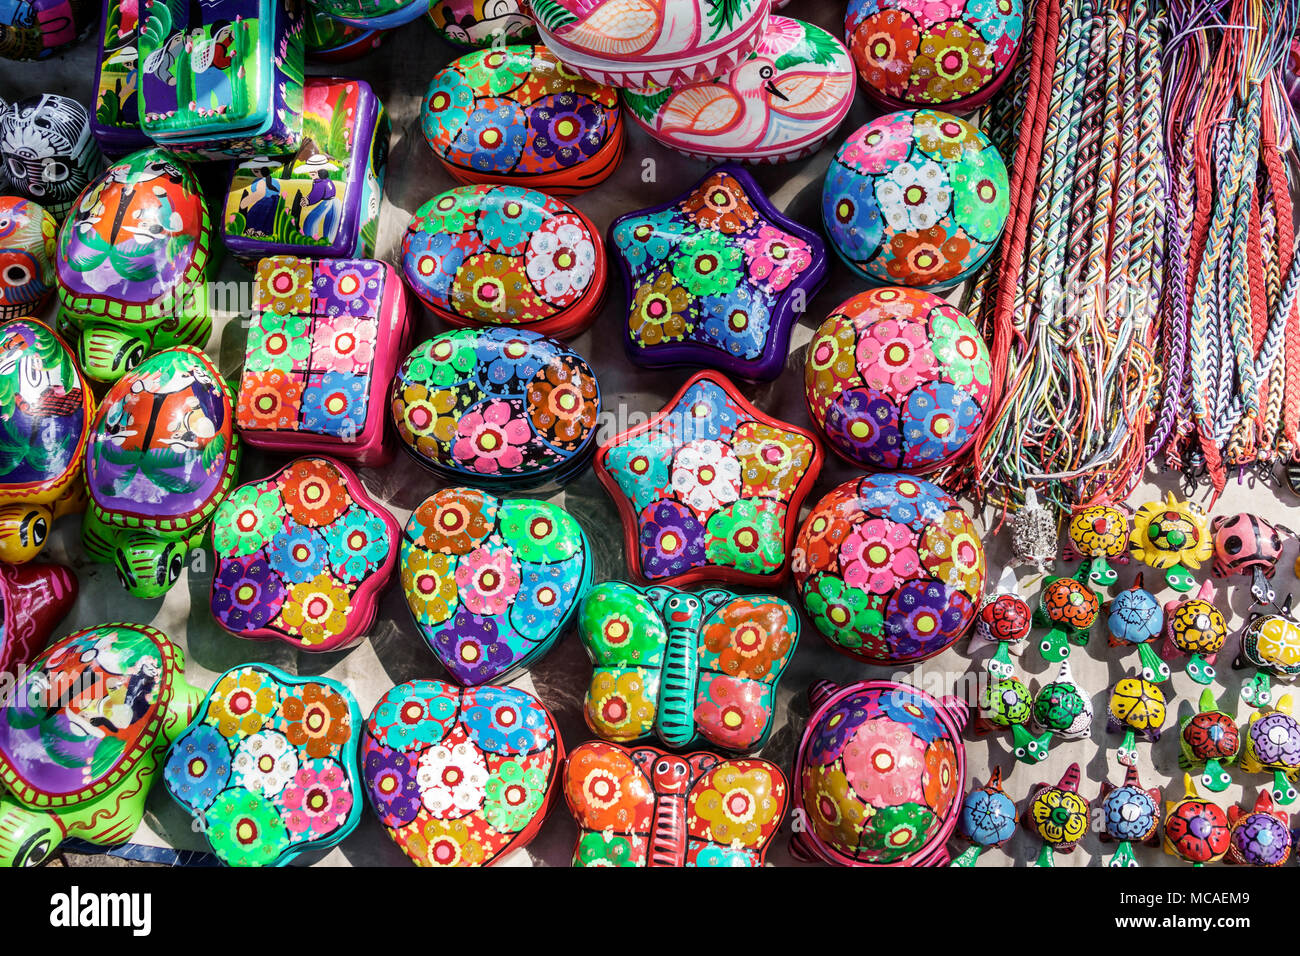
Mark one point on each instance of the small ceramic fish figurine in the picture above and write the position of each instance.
(1004, 618)
(1194, 626)
(1134, 616)
(1196, 830)
(1261, 835)
(1058, 815)
(1272, 743)
(1062, 708)
(1099, 535)
(1209, 739)
(1172, 536)
(1068, 609)
(1137, 707)
(1246, 544)
(1271, 642)
(1033, 533)
(1131, 814)
(988, 819)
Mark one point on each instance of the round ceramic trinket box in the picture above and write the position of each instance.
(480, 23)
(268, 767)
(890, 568)
(880, 770)
(45, 410)
(27, 246)
(898, 379)
(781, 103)
(302, 557)
(33, 599)
(518, 115)
(716, 277)
(374, 14)
(460, 777)
(635, 43)
(646, 807)
(497, 407)
(492, 584)
(953, 56)
(916, 198)
(508, 256)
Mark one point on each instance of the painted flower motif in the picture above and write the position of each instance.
(492, 139)
(660, 312)
(996, 18)
(820, 539)
(455, 520)
(731, 714)
(720, 205)
(706, 475)
(776, 257)
(914, 195)
(507, 218)
(849, 616)
(883, 45)
(198, 767)
(641, 466)
(246, 520)
(265, 763)
(838, 816)
(390, 779)
(748, 536)
(245, 828)
(429, 581)
(884, 762)
(269, 401)
(952, 553)
(447, 105)
(561, 260)
(487, 581)
(749, 638)
(277, 341)
(546, 592)
(297, 553)
(981, 210)
(878, 555)
(959, 347)
(953, 62)
(489, 438)
(284, 287)
(470, 647)
(939, 421)
(318, 800)
(1061, 816)
(894, 357)
(316, 610)
(737, 806)
(247, 593)
(704, 412)
(343, 344)
(348, 288)
(772, 460)
(317, 719)
(897, 832)
(603, 849)
(648, 239)
(563, 404)
(414, 721)
(566, 128)
(446, 359)
(449, 213)
(444, 843)
(538, 533)
(707, 264)
(833, 731)
(506, 356)
(864, 424)
(924, 616)
(492, 288)
(452, 779)
(852, 213)
(831, 365)
(358, 542)
(737, 322)
(672, 540)
(501, 724)
(514, 795)
(430, 262)
(940, 779)
(241, 702)
(426, 419)
(334, 403)
(876, 147)
(314, 493)
(621, 704)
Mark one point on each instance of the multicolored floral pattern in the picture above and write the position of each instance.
(492, 584)
(898, 379)
(268, 766)
(459, 777)
(916, 198)
(890, 568)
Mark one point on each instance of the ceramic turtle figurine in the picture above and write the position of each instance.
(1068, 609)
(1058, 815)
(1099, 535)
(1210, 738)
(1246, 544)
(1006, 702)
(82, 737)
(1172, 536)
(1137, 706)
(45, 408)
(1261, 836)
(1134, 616)
(1130, 814)
(1272, 742)
(1270, 642)
(1196, 830)
(162, 457)
(988, 818)
(1197, 628)
(1062, 708)
(1004, 617)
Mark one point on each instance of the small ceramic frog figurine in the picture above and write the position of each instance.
(162, 458)
(988, 818)
(1172, 536)
(45, 411)
(1062, 708)
(1194, 626)
(1004, 618)
(81, 764)
(1099, 535)
(1210, 738)
(1272, 742)
(1245, 544)
(27, 245)
(1058, 815)
(1068, 609)
(1134, 616)
(1196, 830)
(1131, 815)
(1137, 706)
(48, 151)
(1261, 835)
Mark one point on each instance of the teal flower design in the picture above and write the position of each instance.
(641, 467)
(447, 104)
(357, 541)
(508, 216)
(648, 240)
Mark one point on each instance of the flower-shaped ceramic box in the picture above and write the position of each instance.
(492, 584)
(460, 777)
(476, 24)
(508, 256)
(268, 766)
(780, 104)
(222, 78)
(497, 407)
(34, 29)
(116, 118)
(685, 668)
(636, 43)
(323, 345)
(644, 807)
(302, 557)
(716, 277)
(27, 247)
(518, 115)
(709, 489)
(324, 200)
(48, 151)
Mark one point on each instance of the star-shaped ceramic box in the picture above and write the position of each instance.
(716, 277)
(709, 489)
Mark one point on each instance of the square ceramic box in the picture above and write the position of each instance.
(323, 200)
(323, 345)
(222, 78)
(115, 120)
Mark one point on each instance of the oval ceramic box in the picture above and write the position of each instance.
(324, 341)
(497, 407)
(480, 23)
(710, 488)
(505, 255)
(518, 115)
(879, 774)
(268, 766)
(897, 379)
(716, 277)
(780, 104)
(636, 43)
(492, 583)
(460, 777)
(34, 29)
(27, 246)
(377, 14)
(116, 118)
(952, 56)
(45, 410)
(645, 807)
(48, 151)
(916, 198)
(890, 568)
(302, 557)
(133, 261)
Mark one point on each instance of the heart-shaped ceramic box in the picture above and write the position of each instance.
(492, 584)
(302, 557)
(460, 777)
(268, 766)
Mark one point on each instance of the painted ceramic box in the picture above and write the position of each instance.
(325, 341)
(27, 245)
(323, 200)
(48, 151)
(475, 24)
(328, 40)
(33, 29)
(222, 78)
(116, 117)
(375, 14)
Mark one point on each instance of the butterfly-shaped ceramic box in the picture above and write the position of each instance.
(35, 29)
(268, 767)
(324, 199)
(645, 807)
(716, 277)
(115, 120)
(302, 557)
(324, 342)
(686, 669)
(709, 489)
(492, 584)
(223, 78)
(460, 777)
